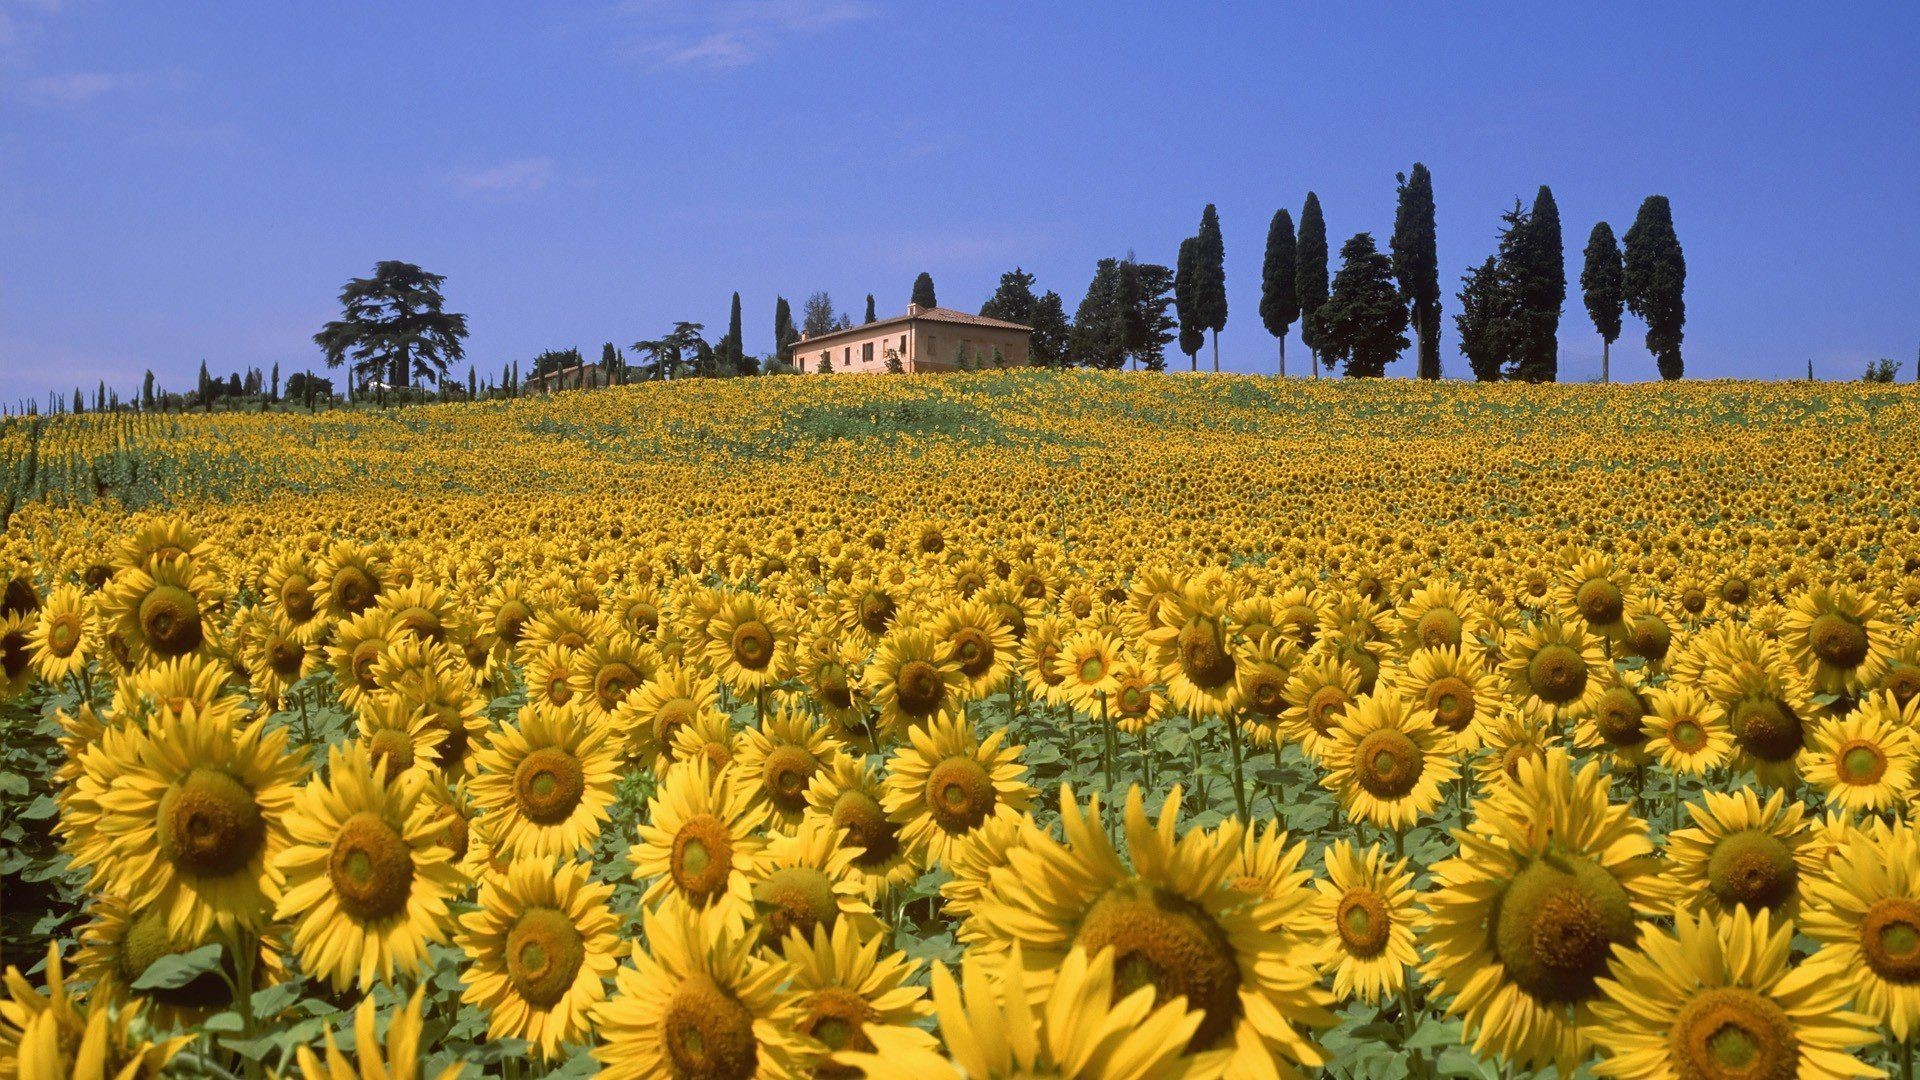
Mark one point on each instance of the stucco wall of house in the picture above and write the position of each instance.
(923, 345)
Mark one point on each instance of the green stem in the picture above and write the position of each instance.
(1239, 776)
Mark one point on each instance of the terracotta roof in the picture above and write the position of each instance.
(936, 314)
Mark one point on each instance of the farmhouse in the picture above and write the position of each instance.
(924, 339)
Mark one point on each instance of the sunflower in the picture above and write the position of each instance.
(846, 987)
(702, 842)
(399, 734)
(162, 612)
(277, 657)
(1717, 998)
(58, 1036)
(709, 737)
(358, 642)
(552, 773)
(290, 589)
(421, 610)
(16, 653)
(848, 793)
(1193, 648)
(699, 1003)
(1865, 761)
(1549, 877)
(118, 945)
(1687, 730)
(1839, 637)
(1387, 761)
(431, 676)
(1558, 664)
(673, 698)
(1866, 916)
(1768, 710)
(1648, 631)
(1039, 648)
(1588, 592)
(505, 614)
(1135, 704)
(1742, 853)
(1089, 1023)
(1086, 665)
(1173, 925)
(1265, 664)
(972, 863)
(606, 672)
(397, 1058)
(350, 578)
(752, 643)
(1617, 722)
(807, 880)
(783, 754)
(1323, 687)
(65, 638)
(912, 679)
(192, 820)
(540, 945)
(1441, 615)
(981, 642)
(160, 540)
(947, 781)
(1456, 685)
(1366, 911)
(829, 671)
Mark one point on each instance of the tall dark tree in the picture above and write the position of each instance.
(1364, 318)
(146, 391)
(1146, 291)
(1279, 291)
(818, 317)
(923, 291)
(1013, 300)
(1539, 277)
(1656, 279)
(1416, 265)
(1310, 264)
(1099, 325)
(784, 334)
(395, 326)
(206, 388)
(276, 380)
(612, 365)
(870, 315)
(1051, 342)
(733, 352)
(1603, 287)
(1496, 328)
(1210, 277)
(1186, 308)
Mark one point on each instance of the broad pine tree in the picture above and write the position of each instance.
(1100, 326)
(1416, 264)
(1210, 277)
(1603, 288)
(1279, 296)
(1364, 318)
(1310, 262)
(923, 291)
(1656, 279)
(1050, 346)
(394, 326)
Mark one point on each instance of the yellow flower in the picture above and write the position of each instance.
(1387, 762)
(551, 774)
(782, 755)
(398, 1058)
(65, 637)
(540, 946)
(912, 679)
(1557, 664)
(846, 988)
(1193, 647)
(1087, 665)
(947, 781)
(1866, 917)
(1839, 637)
(56, 1036)
(1742, 853)
(1687, 730)
(848, 794)
(1366, 914)
(702, 842)
(1865, 761)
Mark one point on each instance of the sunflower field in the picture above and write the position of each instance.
(1004, 725)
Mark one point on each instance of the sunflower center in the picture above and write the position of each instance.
(1363, 922)
(920, 688)
(785, 775)
(833, 1018)
(1555, 923)
(1730, 1031)
(544, 953)
(1134, 700)
(510, 622)
(1618, 717)
(702, 857)
(354, 589)
(371, 868)
(1650, 637)
(285, 657)
(63, 633)
(1752, 867)
(1166, 941)
(1325, 706)
(1860, 762)
(1735, 591)
(876, 612)
(752, 645)
(1838, 640)
(548, 784)
(1890, 939)
(1687, 735)
(795, 898)
(1439, 628)
(708, 1033)
(974, 650)
(1599, 602)
(1903, 680)
(458, 833)
(1767, 730)
(1266, 693)
(1301, 623)
(959, 794)
(365, 655)
(209, 824)
(1452, 702)
(1203, 655)
(1092, 669)
(1558, 674)
(867, 828)
(1387, 764)
(1693, 601)
(147, 940)
(170, 620)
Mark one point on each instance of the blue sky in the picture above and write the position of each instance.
(180, 182)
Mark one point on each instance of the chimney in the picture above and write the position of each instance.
(912, 310)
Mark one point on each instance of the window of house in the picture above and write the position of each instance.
(866, 353)
(933, 346)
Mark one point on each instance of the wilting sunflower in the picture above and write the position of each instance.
(193, 819)
(350, 578)
(59, 1036)
(1687, 730)
(1264, 666)
(16, 653)
(829, 671)
(1717, 999)
(118, 945)
(608, 671)
(848, 794)
(1866, 917)
(541, 944)
(1865, 761)
(1617, 722)
(552, 773)
(1549, 877)
(675, 697)
(1457, 686)
(357, 645)
(702, 842)
(162, 612)
(367, 885)
(1366, 912)
(912, 679)
(1839, 636)
(397, 1058)
(1086, 665)
(1193, 646)
(981, 643)
(1090, 1024)
(1558, 664)
(699, 1003)
(783, 754)
(66, 636)
(807, 880)
(1742, 853)
(752, 643)
(1387, 761)
(846, 987)
(1322, 689)
(1236, 957)
(947, 781)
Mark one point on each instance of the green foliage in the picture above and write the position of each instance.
(1601, 282)
(923, 291)
(1416, 264)
(1186, 272)
(1363, 321)
(395, 327)
(1310, 264)
(1883, 370)
(1279, 289)
(1099, 326)
(1656, 279)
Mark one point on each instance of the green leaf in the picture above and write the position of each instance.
(1434, 1034)
(275, 999)
(173, 971)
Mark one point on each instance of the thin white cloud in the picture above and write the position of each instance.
(522, 176)
(79, 87)
(723, 34)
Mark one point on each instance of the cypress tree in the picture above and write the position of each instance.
(1541, 280)
(1416, 264)
(146, 391)
(1310, 262)
(923, 291)
(1279, 295)
(276, 380)
(1601, 286)
(1210, 277)
(869, 306)
(1655, 279)
(1364, 318)
(784, 335)
(1192, 336)
(735, 347)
